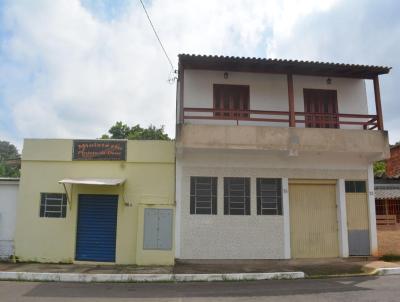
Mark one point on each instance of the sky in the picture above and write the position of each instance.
(72, 68)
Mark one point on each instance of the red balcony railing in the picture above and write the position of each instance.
(311, 120)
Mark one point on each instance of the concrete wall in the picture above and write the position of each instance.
(149, 174)
(247, 237)
(373, 144)
(8, 206)
(270, 92)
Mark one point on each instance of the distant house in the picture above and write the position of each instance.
(387, 199)
(393, 163)
(274, 158)
(387, 196)
(8, 207)
(387, 191)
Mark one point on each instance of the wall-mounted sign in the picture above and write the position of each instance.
(99, 150)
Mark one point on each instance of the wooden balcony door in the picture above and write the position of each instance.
(231, 98)
(321, 108)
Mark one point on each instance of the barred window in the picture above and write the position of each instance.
(53, 205)
(269, 196)
(355, 186)
(203, 195)
(237, 196)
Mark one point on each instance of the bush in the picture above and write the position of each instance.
(390, 257)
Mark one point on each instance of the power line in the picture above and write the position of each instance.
(158, 38)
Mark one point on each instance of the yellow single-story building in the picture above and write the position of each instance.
(96, 200)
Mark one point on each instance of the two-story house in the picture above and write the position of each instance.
(274, 158)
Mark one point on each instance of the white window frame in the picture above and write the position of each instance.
(45, 197)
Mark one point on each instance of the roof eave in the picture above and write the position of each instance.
(280, 66)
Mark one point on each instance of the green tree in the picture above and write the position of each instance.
(123, 131)
(8, 154)
(379, 168)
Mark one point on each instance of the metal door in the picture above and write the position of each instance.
(157, 229)
(358, 224)
(97, 228)
(313, 220)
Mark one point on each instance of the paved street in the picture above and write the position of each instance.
(341, 289)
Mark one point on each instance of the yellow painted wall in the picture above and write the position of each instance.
(313, 219)
(149, 173)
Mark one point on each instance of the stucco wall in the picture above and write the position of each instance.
(149, 174)
(8, 206)
(269, 92)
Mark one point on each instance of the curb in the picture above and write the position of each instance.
(75, 277)
(388, 271)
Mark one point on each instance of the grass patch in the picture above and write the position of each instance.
(390, 257)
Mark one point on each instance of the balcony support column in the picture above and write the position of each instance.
(378, 104)
(292, 117)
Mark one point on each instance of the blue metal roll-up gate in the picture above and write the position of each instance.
(97, 228)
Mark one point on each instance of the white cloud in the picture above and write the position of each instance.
(80, 73)
(360, 31)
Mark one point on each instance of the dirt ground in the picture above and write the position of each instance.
(389, 242)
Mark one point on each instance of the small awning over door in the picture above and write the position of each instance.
(93, 181)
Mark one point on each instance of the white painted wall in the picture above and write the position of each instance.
(248, 237)
(269, 92)
(286, 218)
(8, 205)
(228, 236)
(342, 218)
(371, 211)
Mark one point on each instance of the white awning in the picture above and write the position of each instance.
(93, 181)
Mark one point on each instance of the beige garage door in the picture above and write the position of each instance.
(313, 219)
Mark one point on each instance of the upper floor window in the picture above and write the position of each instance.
(231, 100)
(53, 205)
(321, 108)
(237, 196)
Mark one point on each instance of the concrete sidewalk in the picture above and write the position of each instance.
(311, 267)
(200, 270)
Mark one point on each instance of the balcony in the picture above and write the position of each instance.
(286, 140)
(223, 104)
(219, 69)
(303, 119)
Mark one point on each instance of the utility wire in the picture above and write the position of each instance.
(158, 38)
